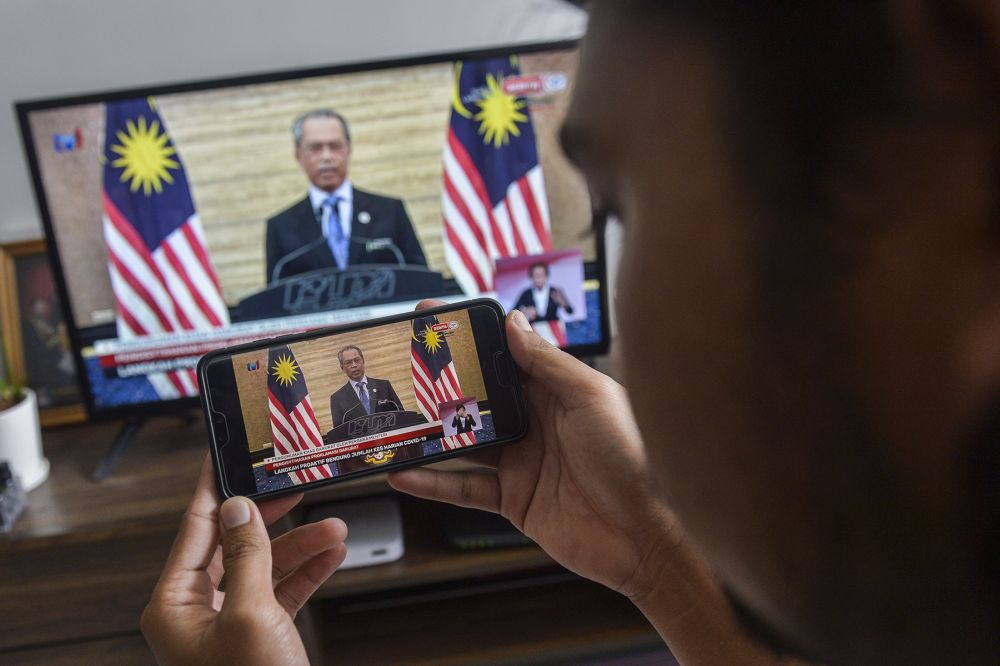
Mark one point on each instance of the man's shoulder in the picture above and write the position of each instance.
(297, 209)
(346, 389)
(371, 198)
(382, 383)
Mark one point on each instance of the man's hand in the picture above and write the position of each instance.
(530, 312)
(577, 484)
(579, 487)
(190, 620)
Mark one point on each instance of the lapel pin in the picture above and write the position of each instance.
(364, 217)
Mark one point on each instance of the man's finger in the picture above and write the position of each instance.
(198, 534)
(292, 549)
(246, 554)
(556, 370)
(476, 490)
(294, 591)
(273, 510)
(429, 303)
(488, 458)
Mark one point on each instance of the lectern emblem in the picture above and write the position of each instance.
(380, 457)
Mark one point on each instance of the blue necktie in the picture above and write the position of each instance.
(335, 238)
(363, 394)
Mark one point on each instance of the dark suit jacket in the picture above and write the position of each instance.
(463, 425)
(346, 405)
(551, 313)
(298, 226)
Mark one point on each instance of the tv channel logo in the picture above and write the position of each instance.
(67, 143)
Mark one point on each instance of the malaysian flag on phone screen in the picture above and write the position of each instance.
(293, 422)
(434, 377)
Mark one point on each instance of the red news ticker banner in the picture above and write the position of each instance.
(191, 350)
(333, 453)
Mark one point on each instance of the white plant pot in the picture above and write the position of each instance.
(21, 442)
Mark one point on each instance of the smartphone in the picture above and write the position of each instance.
(306, 410)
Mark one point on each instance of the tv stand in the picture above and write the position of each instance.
(129, 429)
(116, 536)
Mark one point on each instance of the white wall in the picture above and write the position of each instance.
(55, 48)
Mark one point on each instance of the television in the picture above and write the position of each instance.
(186, 217)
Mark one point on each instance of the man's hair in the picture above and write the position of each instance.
(538, 264)
(802, 72)
(340, 354)
(317, 113)
(461, 408)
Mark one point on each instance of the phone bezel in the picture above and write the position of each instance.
(509, 399)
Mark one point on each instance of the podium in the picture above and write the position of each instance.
(371, 424)
(339, 289)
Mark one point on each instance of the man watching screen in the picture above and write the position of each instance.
(807, 461)
(361, 394)
(336, 225)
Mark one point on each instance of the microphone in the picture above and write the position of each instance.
(357, 406)
(371, 245)
(386, 401)
(294, 254)
(376, 244)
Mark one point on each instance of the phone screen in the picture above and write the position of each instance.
(323, 406)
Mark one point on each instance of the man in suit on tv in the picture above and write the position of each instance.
(336, 225)
(542, 301)
(361, 395)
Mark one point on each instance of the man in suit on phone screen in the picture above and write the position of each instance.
(361, 395)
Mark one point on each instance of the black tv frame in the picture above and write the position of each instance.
(173, 407)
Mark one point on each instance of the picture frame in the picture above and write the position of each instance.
(31, 319)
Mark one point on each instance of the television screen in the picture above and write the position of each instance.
(193, 216)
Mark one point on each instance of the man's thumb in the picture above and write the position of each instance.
(246, 553)
(553, 368)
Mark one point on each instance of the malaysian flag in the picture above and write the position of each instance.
(293, 422)
(493, 200)
(553, 332)
(434, 377)
(162, 278)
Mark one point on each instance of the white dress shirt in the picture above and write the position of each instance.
(541, 298)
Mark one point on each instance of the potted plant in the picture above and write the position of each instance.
(20, 433)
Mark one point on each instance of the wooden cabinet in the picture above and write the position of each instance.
(80, 564)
